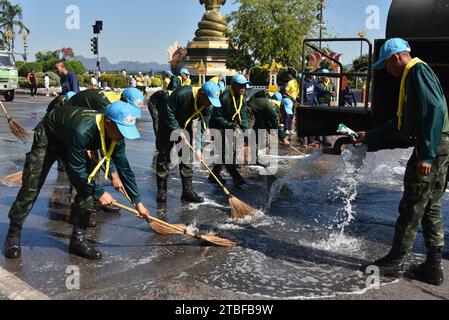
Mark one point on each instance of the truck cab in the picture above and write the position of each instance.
(9, 77)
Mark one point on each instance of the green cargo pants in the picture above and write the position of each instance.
(154, 115)
(164, 147)
(37, 166)
(422, 202)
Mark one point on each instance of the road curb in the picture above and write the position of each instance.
(15, 289)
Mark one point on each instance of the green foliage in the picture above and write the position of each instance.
(114, 80)
(47, 56)
(360, 63)
(53, 76)
(75, 66)
(27, 67)
(263, 30)
(80, 80)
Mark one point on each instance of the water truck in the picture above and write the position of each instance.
(424, 24)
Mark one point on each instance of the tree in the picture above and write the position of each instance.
(47, 56)
(11, 17)
(262, 30)
(361, 63)
(67, 53)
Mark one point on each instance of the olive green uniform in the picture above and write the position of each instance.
(68, 132)
(426, 126)
(325, 97)
(157, 102)
(180, 108)
(229, 117)
(266, 115)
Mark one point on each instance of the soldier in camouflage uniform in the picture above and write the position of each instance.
(184, 106)
(422, 121)
(232, 115)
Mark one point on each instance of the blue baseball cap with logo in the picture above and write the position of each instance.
(287, 103)
(212, 90)
(239, 79)
(124, 115)
(135, 97)
(391, 47)
(184, 71)
(277, 96)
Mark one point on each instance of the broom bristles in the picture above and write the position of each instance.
(14, 178)
(17, 130)
(221, 242)
(164, 230)
(240, 210)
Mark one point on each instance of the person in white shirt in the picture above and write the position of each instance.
(47, 84)
(94, 82)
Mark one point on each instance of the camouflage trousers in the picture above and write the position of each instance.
(38, 163)
(422, 202)
(164, 147)
(155, 116)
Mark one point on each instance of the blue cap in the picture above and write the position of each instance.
(170, 74)
(389, 48)
(222, 86)
(239, 79)
(123, 114)
(212, 90)
(135, 97)
(184, 71)
(287, 103)
(69, 95)
(325, 71)
(277, 96)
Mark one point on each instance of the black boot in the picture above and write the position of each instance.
(188, 194)
(392, 265)
(431, 271)
(79, 245)
(12, 242)
(237, 178)
(161, 190)
(217, 172)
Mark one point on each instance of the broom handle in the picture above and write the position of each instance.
(299, 152)
(226, 191)
(4, 110)
(153, 219)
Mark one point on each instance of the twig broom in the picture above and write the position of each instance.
(16, 129)
(239, 209)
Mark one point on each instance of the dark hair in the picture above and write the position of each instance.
(60, 62)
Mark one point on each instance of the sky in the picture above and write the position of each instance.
(142, 30)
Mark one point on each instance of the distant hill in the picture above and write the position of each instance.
(129, 66)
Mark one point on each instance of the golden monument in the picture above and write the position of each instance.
(210, 44)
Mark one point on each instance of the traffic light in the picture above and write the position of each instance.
(94, 45)
(98, 27)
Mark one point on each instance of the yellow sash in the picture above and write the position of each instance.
(107, 154)
(198, 112)
(185, 83)
(278, 104)
(239, 109)
(402, 92)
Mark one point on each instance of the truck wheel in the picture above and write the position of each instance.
(9, 96)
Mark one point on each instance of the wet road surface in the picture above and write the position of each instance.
(323, 217)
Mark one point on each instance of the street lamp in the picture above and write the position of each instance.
(362, 35)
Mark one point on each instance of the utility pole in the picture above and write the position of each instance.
(321, 19)
(98, 27)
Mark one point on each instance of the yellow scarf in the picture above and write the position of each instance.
(198, 111)
(402, 92)
(239, 109)
(107, 153)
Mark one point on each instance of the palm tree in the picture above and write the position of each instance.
(11, 17)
